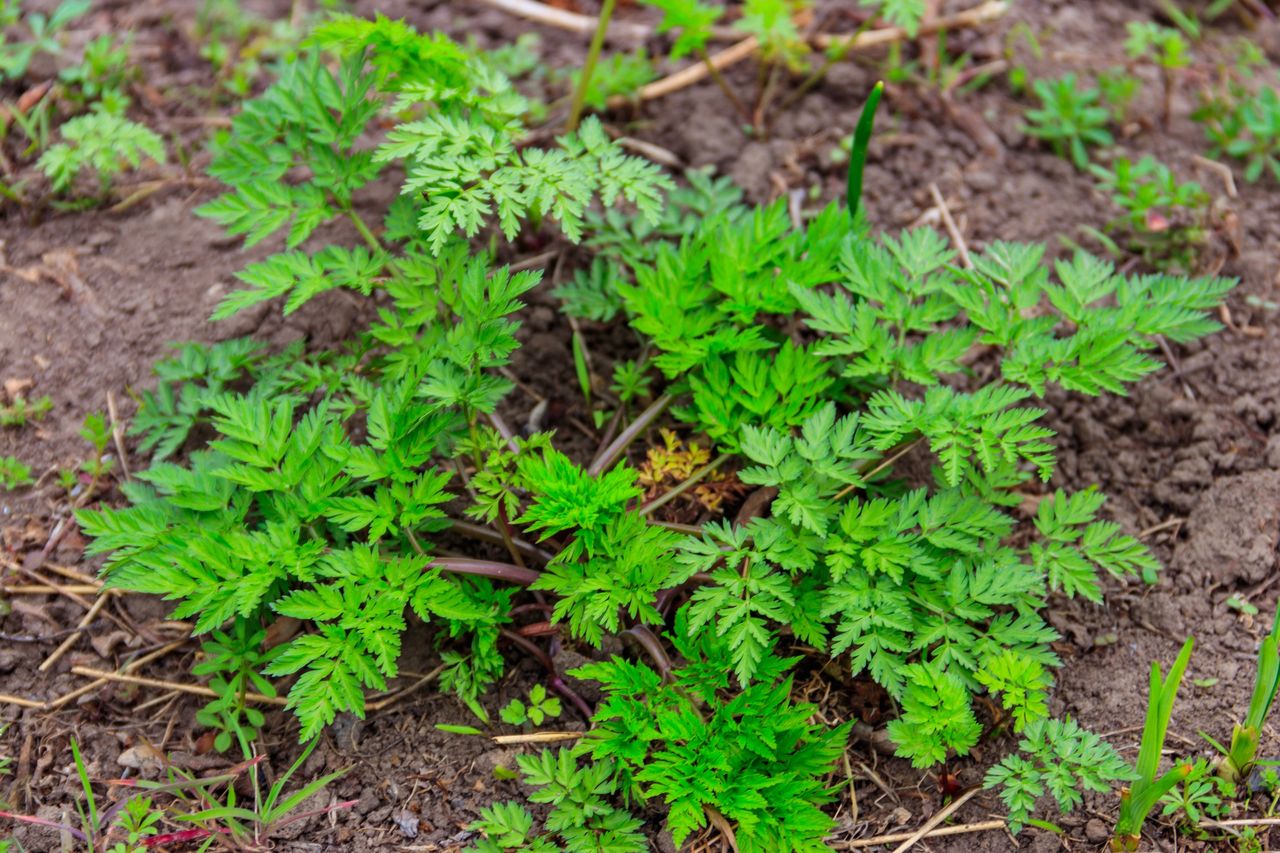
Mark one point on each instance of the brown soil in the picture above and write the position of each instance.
(1192, 457)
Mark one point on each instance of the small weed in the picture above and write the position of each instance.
(13, 474)
(101, 143)
(1165, 220)
(539, 708)
(1164, 46)
(1059, 758)
(22, 410)
(1070, 118)
(44, 34)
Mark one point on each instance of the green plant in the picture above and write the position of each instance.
(1202, 794)
(814, 356)
(1070, 118)
(1239, 758)
(580, 817)
(102, 75)
(98, 828)
(619, 75)
(1059, 758)
(539, 708)
(100, 142)
(1247, 128)
(21, 410)
(1148, 785)
(460, 153)
(1164, 46)
(234, 660)
(44, 34)
(13, 474)
(1119, 89)
(1165, 220)
(755, 758)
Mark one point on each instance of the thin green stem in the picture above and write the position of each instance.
(589, 67)
(364, 229)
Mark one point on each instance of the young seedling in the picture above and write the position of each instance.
(1070, 118)
(541, 707)
(21, 410)
(1165, 220)
(1164, 46)
(13, 474)
(102, 143)
(1137, 801)
(1238, 760)
(45, 35)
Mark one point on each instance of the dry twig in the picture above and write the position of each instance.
(957, 238)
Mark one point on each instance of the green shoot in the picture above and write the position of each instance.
(13, 474)
(1240, 757)
(102, 143)
(539, 708)
(581, 91)
(1137, 801)
(22, 409)
(858, 152)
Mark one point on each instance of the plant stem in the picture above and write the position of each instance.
(488, 569)
(486, 534)
(729, 94)
(610, 454)
(364, 229)
(589, 67)
(901, 451)
(556, 682)
(693, 480)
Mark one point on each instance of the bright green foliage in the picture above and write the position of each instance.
(1148, 788)
(906, 14)
(22, 409)
(754, 758)
(581, 816)
(99, 142)
(45, 34)
(1247, 128)
(13, 474)
(1070, 118)
(539, 708)
(617, 75)
(1163, 45)
(234, 660)
(310, 119)
(1245, 736)
(617, 568)
(773, 23)
(188, 384)
(897, 580)
(694, 20)
(1201, 795)
(1074, 546)
(103, 74)
(1022, 684)
(936, 716)
(1059, 758)
(1165, 220)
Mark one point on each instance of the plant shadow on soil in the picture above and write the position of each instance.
(1193, 455)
